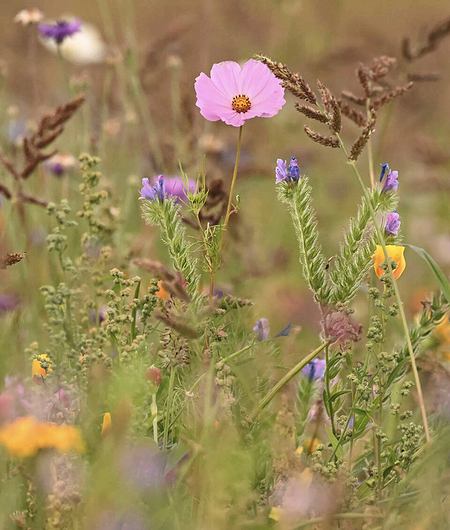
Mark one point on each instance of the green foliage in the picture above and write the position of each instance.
(298, 199)
(166, 215)
(355, 257)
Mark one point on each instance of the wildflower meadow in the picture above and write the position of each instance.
(224, 258)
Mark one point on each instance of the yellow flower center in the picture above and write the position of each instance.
(241, 103)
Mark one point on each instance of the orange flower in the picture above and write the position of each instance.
(41, 366)
(25, 436)
(106, 423)
(395, 253)
(162, 293)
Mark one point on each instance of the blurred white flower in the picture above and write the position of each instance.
(29, 16)
(84, 47)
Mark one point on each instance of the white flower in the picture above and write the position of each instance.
(29, 16)
(84, 47)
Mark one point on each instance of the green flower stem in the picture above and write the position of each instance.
(134, 314)
(397, 295)
(154, 413)
(228, 212)
(327, 386)
(286, 378)
(234, 177)
(168, 411)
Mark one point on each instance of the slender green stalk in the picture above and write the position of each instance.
(134, 314)
(397, 295)
(286, 378)
(154, 413)
(327, 386)
(228, 212)
(234, 177)
(168, 411)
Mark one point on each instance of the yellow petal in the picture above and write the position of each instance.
(106, 424)
(396, 254)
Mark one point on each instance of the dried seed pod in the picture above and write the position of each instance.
(336, 121)
(311, 112)
(363, 75)
(328, 141)
(389, 96)
(353, 98)
(426, 77)
(11, 259)
(325, 95)
(352, 114)
(381, 66)
(363, 138)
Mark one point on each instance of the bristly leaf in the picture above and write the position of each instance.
(436, 270)
(166, 215)
(298, 199)
(355, 258)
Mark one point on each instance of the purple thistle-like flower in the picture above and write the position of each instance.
(59, 30)
(153, 192)
(285, 172)
(262, 329)
(392, 223)
(389, 177)
(315, 369)
(161, 187)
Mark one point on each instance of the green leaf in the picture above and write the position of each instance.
(437, 271)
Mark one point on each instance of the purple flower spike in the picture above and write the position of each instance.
(281, 171)
(153, 192)
(293, 169)
(161, 187)
(59, 30)
(391, 182)
(285, 173)
(315, 369)
(392, 224)
(261, 329)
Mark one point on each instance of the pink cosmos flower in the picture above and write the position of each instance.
(235, 94)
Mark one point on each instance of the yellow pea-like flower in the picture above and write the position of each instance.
(396, 254)
(106, 423)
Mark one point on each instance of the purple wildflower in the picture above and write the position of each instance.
(142, 466)
(161, 187)
(59, 30)
(285, 173)
(389, 177)
(392, 223)
(315, 369)
(8, 302)
(153, 192)
(261, 329)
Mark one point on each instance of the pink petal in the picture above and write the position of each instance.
(255, 78)
(226, 78)
(211, 102)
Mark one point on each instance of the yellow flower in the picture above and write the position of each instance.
(442, 330)
(275, 513)
(25, 436)
(395, 253)
(162, 293)
(41, 366)
(106, 423)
